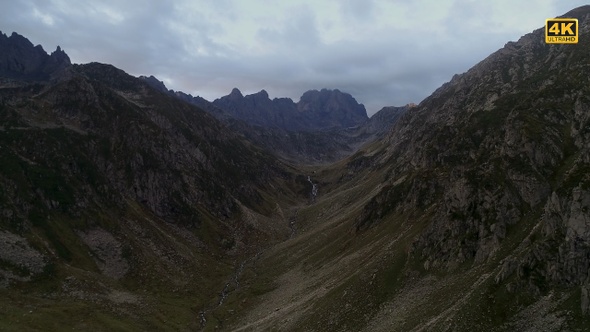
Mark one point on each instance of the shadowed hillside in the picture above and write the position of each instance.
(126, 207)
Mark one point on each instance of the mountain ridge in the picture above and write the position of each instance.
(128, 208)
(22, 60)
(295, 131)
(471, 214)
(316, 110)
(112, 187)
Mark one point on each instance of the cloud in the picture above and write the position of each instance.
(383, 52)
(298, 34)
(358, 10)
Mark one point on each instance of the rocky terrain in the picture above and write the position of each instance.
(472, 214)
(112, 187)
(21, 60)
(126, 207)
(318, 146)
(323, 127)
(324, 109)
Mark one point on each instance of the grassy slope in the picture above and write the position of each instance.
(55, 187)
(329, 277)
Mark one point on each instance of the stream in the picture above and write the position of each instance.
(235, 277)
(314, 189)
(235, 280)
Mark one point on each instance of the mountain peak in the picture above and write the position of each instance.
(18, 36)
(262, 93)
(578, 12)
(339, 104)
(154, 83)
(60, 55)
(316, 109)
(22, 60)
(236, 93)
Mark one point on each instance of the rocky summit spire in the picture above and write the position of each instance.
(315, 110)
(236, 93)
(21, 60)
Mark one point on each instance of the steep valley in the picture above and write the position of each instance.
(124, 207)
(471, 215)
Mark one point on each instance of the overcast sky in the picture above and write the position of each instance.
(383, 52)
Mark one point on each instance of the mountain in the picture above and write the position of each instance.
(331, 108)
(126, 208)
(500, 154)
(155, 83)
(381, 122)
(472, 214)
(278, 126)
(119, 200)
(21, 60)
(316, 110)
(316, 146)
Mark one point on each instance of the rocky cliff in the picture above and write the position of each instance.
(324, 126)
(19, 59)
(115, 194)
(319, 146)
(498, 158)
(128, 208)
(316, 110)
(471, 214)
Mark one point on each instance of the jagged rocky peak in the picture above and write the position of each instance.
(236, 93)
(384, 119)
(20, 59)
(262, 94)
(315, 110)
(58, 61)
(332, 108)
(154, 83)
(59, 53)
(330, 100)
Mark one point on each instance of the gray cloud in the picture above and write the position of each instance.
(358, 9)
(382, 52)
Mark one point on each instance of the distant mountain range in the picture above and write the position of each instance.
(127, 206)
(105, 179)
(316, 110)
(322, 126)
(19, 59)
(325, 109)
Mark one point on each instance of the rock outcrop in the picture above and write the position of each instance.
(331, 108)
(21, 60)
(499, 155)
(316, 110)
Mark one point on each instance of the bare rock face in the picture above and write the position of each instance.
(154, 83)
(19, 59)
(324, 126)
(382, 121)
(500, 148)
(107, 251)
(585, 301)
(258, 109)
(315, 110)
(331, 108)
(20, 260)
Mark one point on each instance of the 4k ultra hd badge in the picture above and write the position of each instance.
(561, 31)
